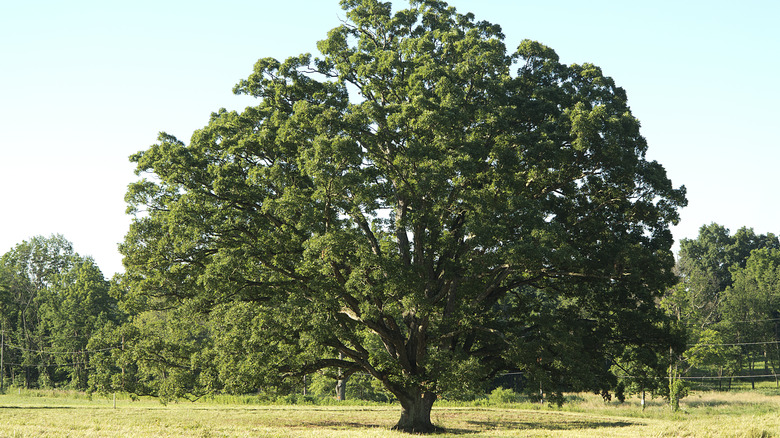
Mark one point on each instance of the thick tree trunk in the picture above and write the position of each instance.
(416, 413)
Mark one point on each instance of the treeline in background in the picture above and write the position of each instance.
(64, 325)
(728, 301)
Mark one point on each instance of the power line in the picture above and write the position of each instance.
(41, 337)
(731, 322)
(736, 344)
(726, 377)
(711, 377)
(54, 353)
(85, 364)
(747, 321)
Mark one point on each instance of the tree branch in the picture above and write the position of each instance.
(288, 371)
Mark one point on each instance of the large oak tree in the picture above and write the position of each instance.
(417, 204)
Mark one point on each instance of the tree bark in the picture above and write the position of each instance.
(341, 383)
(341, 389)
(416, 413)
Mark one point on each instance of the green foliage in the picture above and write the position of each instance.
(678, 389)
(710, 350)
(359, 387)
(705, 268)
(53, 300)
(169, 350)
(620, 392)
(728, 298)
(414, 203)
(112, 371)
(501, 396)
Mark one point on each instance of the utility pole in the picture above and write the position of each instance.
(671, 381)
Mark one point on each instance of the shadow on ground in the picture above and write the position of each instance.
(549, 425)
(480, 427)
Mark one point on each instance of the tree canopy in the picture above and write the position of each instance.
(706, 268)
(52, 300)
(727, 298)
(417, 204)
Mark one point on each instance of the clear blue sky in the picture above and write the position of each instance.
(84, 84)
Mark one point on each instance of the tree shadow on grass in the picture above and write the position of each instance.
(550, 425)
(482, 426)
(334, 424)
(479, 427)
(710, 403)
(693, 403)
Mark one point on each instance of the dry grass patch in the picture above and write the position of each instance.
(704, 415)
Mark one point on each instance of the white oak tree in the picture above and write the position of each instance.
(418, 204)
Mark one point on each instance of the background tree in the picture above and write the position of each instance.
(33, 266)
(751, 307)
(712, 351)
(72, 310)
(408, 207)
(705, 265)
(710, 303)
(52, 301)
(7, 319)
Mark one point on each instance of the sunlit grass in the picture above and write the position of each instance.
(67, 414)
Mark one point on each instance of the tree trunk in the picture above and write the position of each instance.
(416, 413)
(341, 389)
(752, 368)
(341, 383)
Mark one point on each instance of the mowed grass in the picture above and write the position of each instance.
(56, 414)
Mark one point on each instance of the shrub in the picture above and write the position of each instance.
(677, 390)
(501, 396)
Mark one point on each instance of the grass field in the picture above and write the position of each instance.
(58, 414)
